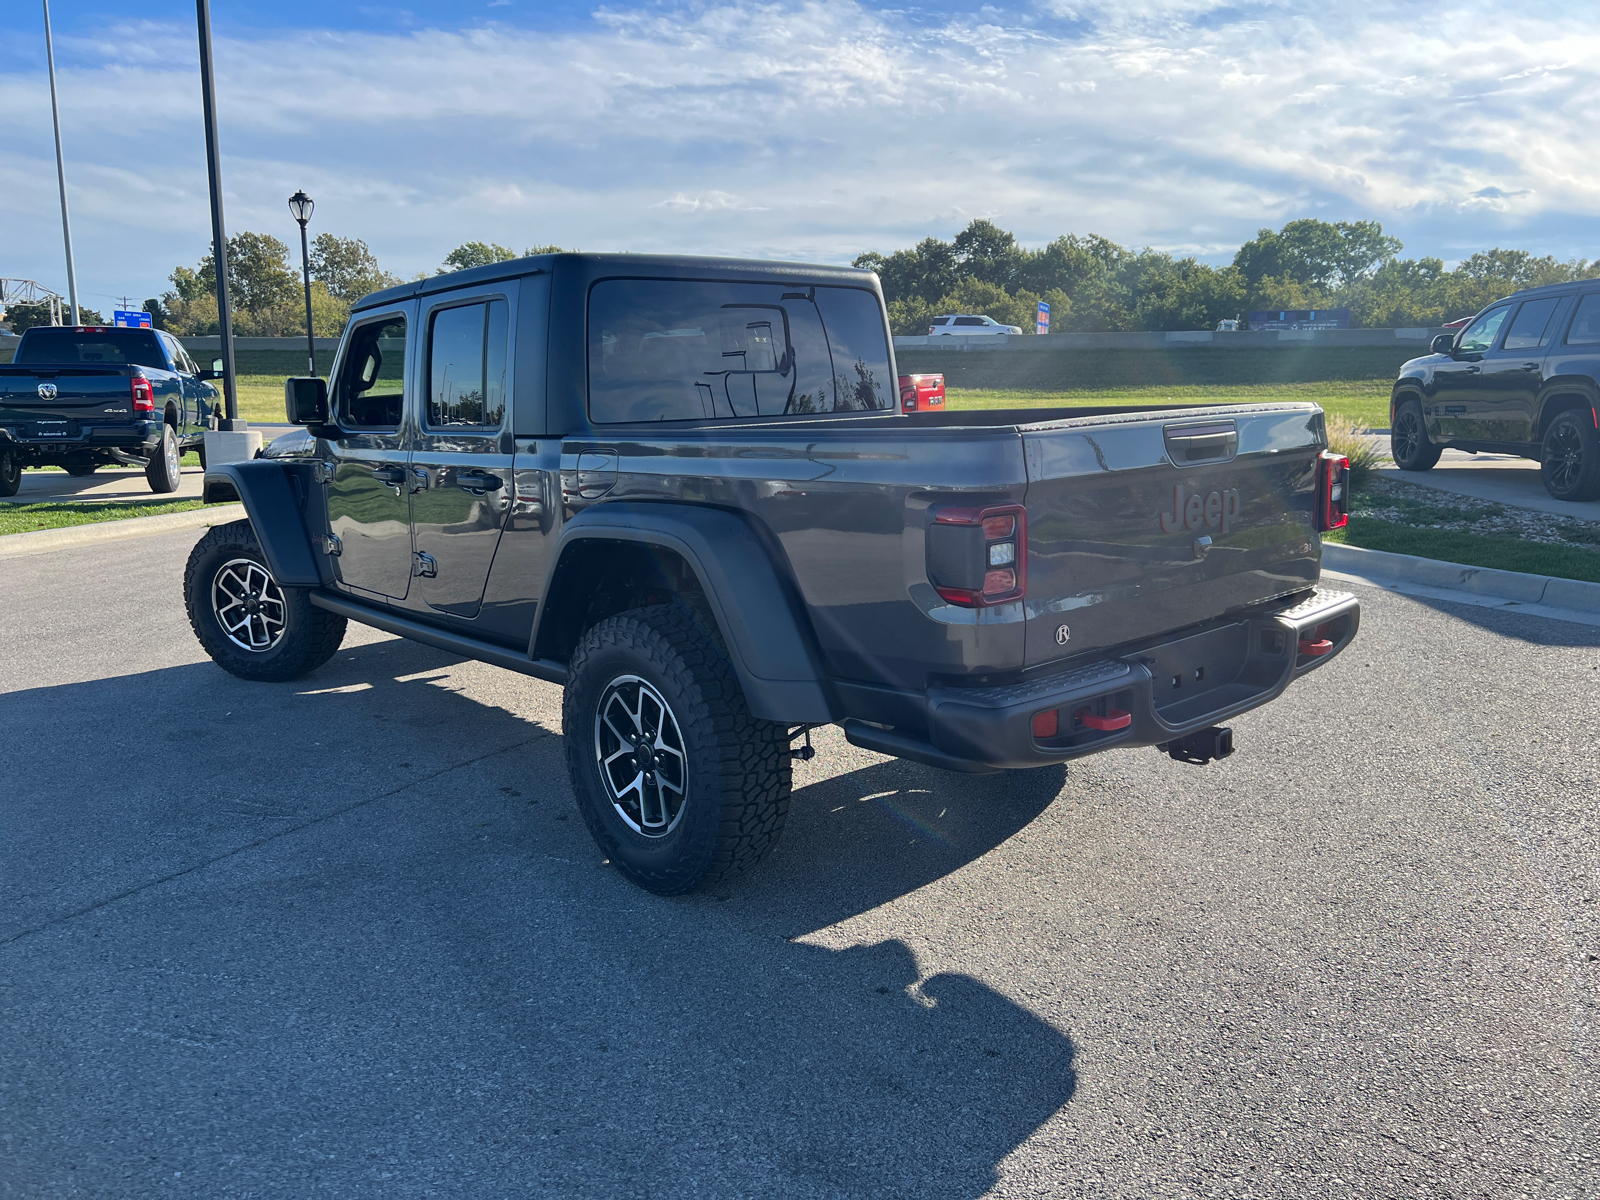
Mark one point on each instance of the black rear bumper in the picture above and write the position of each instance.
(79, 440)
(1146, 698)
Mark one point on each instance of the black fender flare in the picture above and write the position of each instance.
(274, 499)
(767, 638)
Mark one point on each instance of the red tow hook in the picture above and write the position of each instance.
(1115, 718)
(1316, 649)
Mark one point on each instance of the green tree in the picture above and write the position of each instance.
(552, 248)
(475, 254)
(988, 254)
(347, 268)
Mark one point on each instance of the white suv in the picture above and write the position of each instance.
(966, 325)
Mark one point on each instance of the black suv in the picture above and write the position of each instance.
(1522, 378)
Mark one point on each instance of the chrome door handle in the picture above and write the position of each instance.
(478, 482)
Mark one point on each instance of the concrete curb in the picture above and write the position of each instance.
(1572, 594)
(43, 541)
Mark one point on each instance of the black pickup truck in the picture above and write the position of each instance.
(82, 397)
(686, 490)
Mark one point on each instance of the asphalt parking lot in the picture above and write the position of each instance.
(347, 937)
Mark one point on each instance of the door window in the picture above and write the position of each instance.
(467, 366)
(372, 386)
(1528, 329)
(1585, 330)
(1481, 334)
(969, 321)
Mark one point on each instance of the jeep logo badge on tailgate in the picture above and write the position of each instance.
(1217, 508)
(47, 391)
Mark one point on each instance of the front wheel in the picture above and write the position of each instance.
(1569, 459)
(164, 472)
(250, 625)
(679, 785)
(10, 474)
(1408, 439)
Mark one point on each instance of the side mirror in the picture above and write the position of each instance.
(215, 371)
(305, 400)
(1443, 343)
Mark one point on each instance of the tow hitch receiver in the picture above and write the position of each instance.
(1201, 746)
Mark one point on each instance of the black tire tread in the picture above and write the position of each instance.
(314, 634)
(1588, 487)
(1429, 452)
(753, 769)
(10, 476)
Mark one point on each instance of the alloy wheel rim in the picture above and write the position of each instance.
(1563, 458)
(1405, 437)
(639, 751)
(249, 605)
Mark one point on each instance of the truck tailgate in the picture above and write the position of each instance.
(45, 393)
(1119, 510)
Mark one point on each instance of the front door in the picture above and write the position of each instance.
(369, 496)
(1503, 408)
(463, 482)
(1458, 383)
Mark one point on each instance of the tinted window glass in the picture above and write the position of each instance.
(372, 385)
(61, 346)
(969, 321)
(674, 350)
(940, 320)
(1585, 330)
(1527, 329)
(467, 366)
(1480, 336)
(854, 324)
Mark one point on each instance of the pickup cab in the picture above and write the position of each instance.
(686, 490)
(82, 397)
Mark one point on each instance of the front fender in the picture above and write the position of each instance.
(761, 623)
(275, 494)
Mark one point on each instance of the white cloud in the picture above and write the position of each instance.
(818, 128)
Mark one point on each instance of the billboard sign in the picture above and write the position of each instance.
(1301, 318)
(1042, 324)
(123, 319)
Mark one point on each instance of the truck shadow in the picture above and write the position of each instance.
(402, 862)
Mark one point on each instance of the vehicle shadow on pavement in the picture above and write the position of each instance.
(1508, 622)
(367, 921)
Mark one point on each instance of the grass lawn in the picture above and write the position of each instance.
(26, 518)
(1365, 401)
(1502, 553)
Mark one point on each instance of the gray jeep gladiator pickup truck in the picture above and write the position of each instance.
(685, 489)
(82, 397)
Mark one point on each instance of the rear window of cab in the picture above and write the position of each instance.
(680, 350)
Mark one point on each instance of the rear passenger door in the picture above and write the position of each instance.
(461, 462)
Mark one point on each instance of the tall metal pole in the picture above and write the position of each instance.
(305, 270)
(219, 237)
(61, 171)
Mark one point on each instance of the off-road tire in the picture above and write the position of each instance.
(164, 474)
(737, 767)
(80, 470)
(1569, 458)
(1408, 439)
(10, 474)
(310, 635)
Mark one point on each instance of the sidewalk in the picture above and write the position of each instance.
(1494, 478)
(107, 484)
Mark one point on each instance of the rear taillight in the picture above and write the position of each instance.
(978, 557)
(919, 393)
(1333, 491)
(144, 396)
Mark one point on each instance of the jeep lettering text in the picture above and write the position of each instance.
(1216, 509)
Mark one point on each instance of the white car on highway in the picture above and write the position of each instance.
(965, 324)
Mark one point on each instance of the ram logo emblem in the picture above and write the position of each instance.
(1213, 510)
(47, 391)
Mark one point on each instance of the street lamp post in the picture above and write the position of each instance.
(301, 205)
(219, 238)
(61, 170)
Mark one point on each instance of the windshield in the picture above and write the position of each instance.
(61, 345)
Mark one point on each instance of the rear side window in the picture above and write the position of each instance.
(467, 366)
(1585, 329)
(676, 350)
(941, 321)
(61, 345)
(969, 320)
(1527, 328)
(372, 387)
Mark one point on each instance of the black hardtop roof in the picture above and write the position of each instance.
(1549, 289)
(666, 266)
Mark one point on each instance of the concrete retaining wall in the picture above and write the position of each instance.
(1181, 340)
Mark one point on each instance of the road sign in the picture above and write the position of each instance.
(123, 319)
(1042, 325)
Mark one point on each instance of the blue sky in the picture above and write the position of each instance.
(800, 129)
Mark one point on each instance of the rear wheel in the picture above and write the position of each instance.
(1408, 439)
(164, 473)
(250, 625)
(1569, 460)
(679, 785)
(10, 474)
